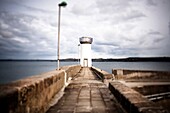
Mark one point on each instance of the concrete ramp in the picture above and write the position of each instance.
(86, 94)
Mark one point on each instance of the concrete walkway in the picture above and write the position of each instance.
(86, 94)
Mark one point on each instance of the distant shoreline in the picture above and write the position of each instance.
(130, 59)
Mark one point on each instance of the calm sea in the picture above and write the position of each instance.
(14, 70)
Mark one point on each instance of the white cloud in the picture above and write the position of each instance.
(120, 28)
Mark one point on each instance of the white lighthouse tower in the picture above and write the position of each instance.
(85, 53)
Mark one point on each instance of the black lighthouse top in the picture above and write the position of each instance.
(86, 40)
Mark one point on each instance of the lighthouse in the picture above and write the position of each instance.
(85, 52)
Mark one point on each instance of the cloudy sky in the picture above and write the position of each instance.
(119, 28)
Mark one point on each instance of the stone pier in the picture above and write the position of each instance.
(76, 89)
(87, 94)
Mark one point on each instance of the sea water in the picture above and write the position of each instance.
(14, 70)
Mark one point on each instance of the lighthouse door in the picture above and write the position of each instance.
(85, 63)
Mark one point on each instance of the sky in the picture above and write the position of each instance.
(119, 28)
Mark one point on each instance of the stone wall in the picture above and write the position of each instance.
(33, 94)
(152, 89)
(101, 73)
(132, 101)
(71, 70)
(140, 74)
